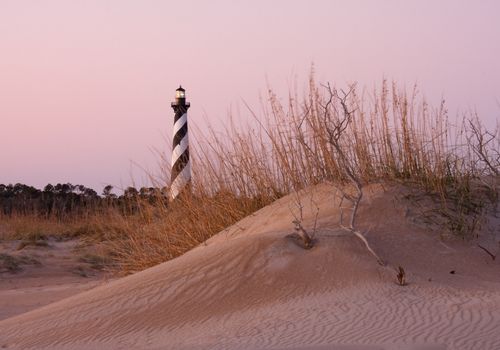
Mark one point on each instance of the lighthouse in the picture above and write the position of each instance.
(181, 168)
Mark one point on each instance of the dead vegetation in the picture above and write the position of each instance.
(13, 264)
(97, 262)
(335, 124)
(346, 139)
(32, 243)
(32, 228)
(304, 238)
(401, 276)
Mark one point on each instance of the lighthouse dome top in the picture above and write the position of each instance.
(180, 99)
(180, 92)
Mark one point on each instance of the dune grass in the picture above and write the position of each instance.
(394, 136)
(32, 228)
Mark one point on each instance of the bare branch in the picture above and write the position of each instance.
(335, 129)
(487, 251)
(480, 146)
(367, 245)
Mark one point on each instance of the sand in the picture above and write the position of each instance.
(252, 287)
(50, 272)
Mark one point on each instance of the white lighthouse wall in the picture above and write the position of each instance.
(181, 181)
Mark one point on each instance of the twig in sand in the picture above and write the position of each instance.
(493, 256)
(401, 276)
(302, 233)
(306, 238)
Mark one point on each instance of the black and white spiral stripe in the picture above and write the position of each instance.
(181, 169)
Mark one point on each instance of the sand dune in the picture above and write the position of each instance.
(251, 287)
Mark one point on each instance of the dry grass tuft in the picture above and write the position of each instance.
(33, 243)
(159, 233)
(31, 228)
(13, 264)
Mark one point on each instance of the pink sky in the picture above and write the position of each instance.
(86, 86)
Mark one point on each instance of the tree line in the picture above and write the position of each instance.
(63, 201)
